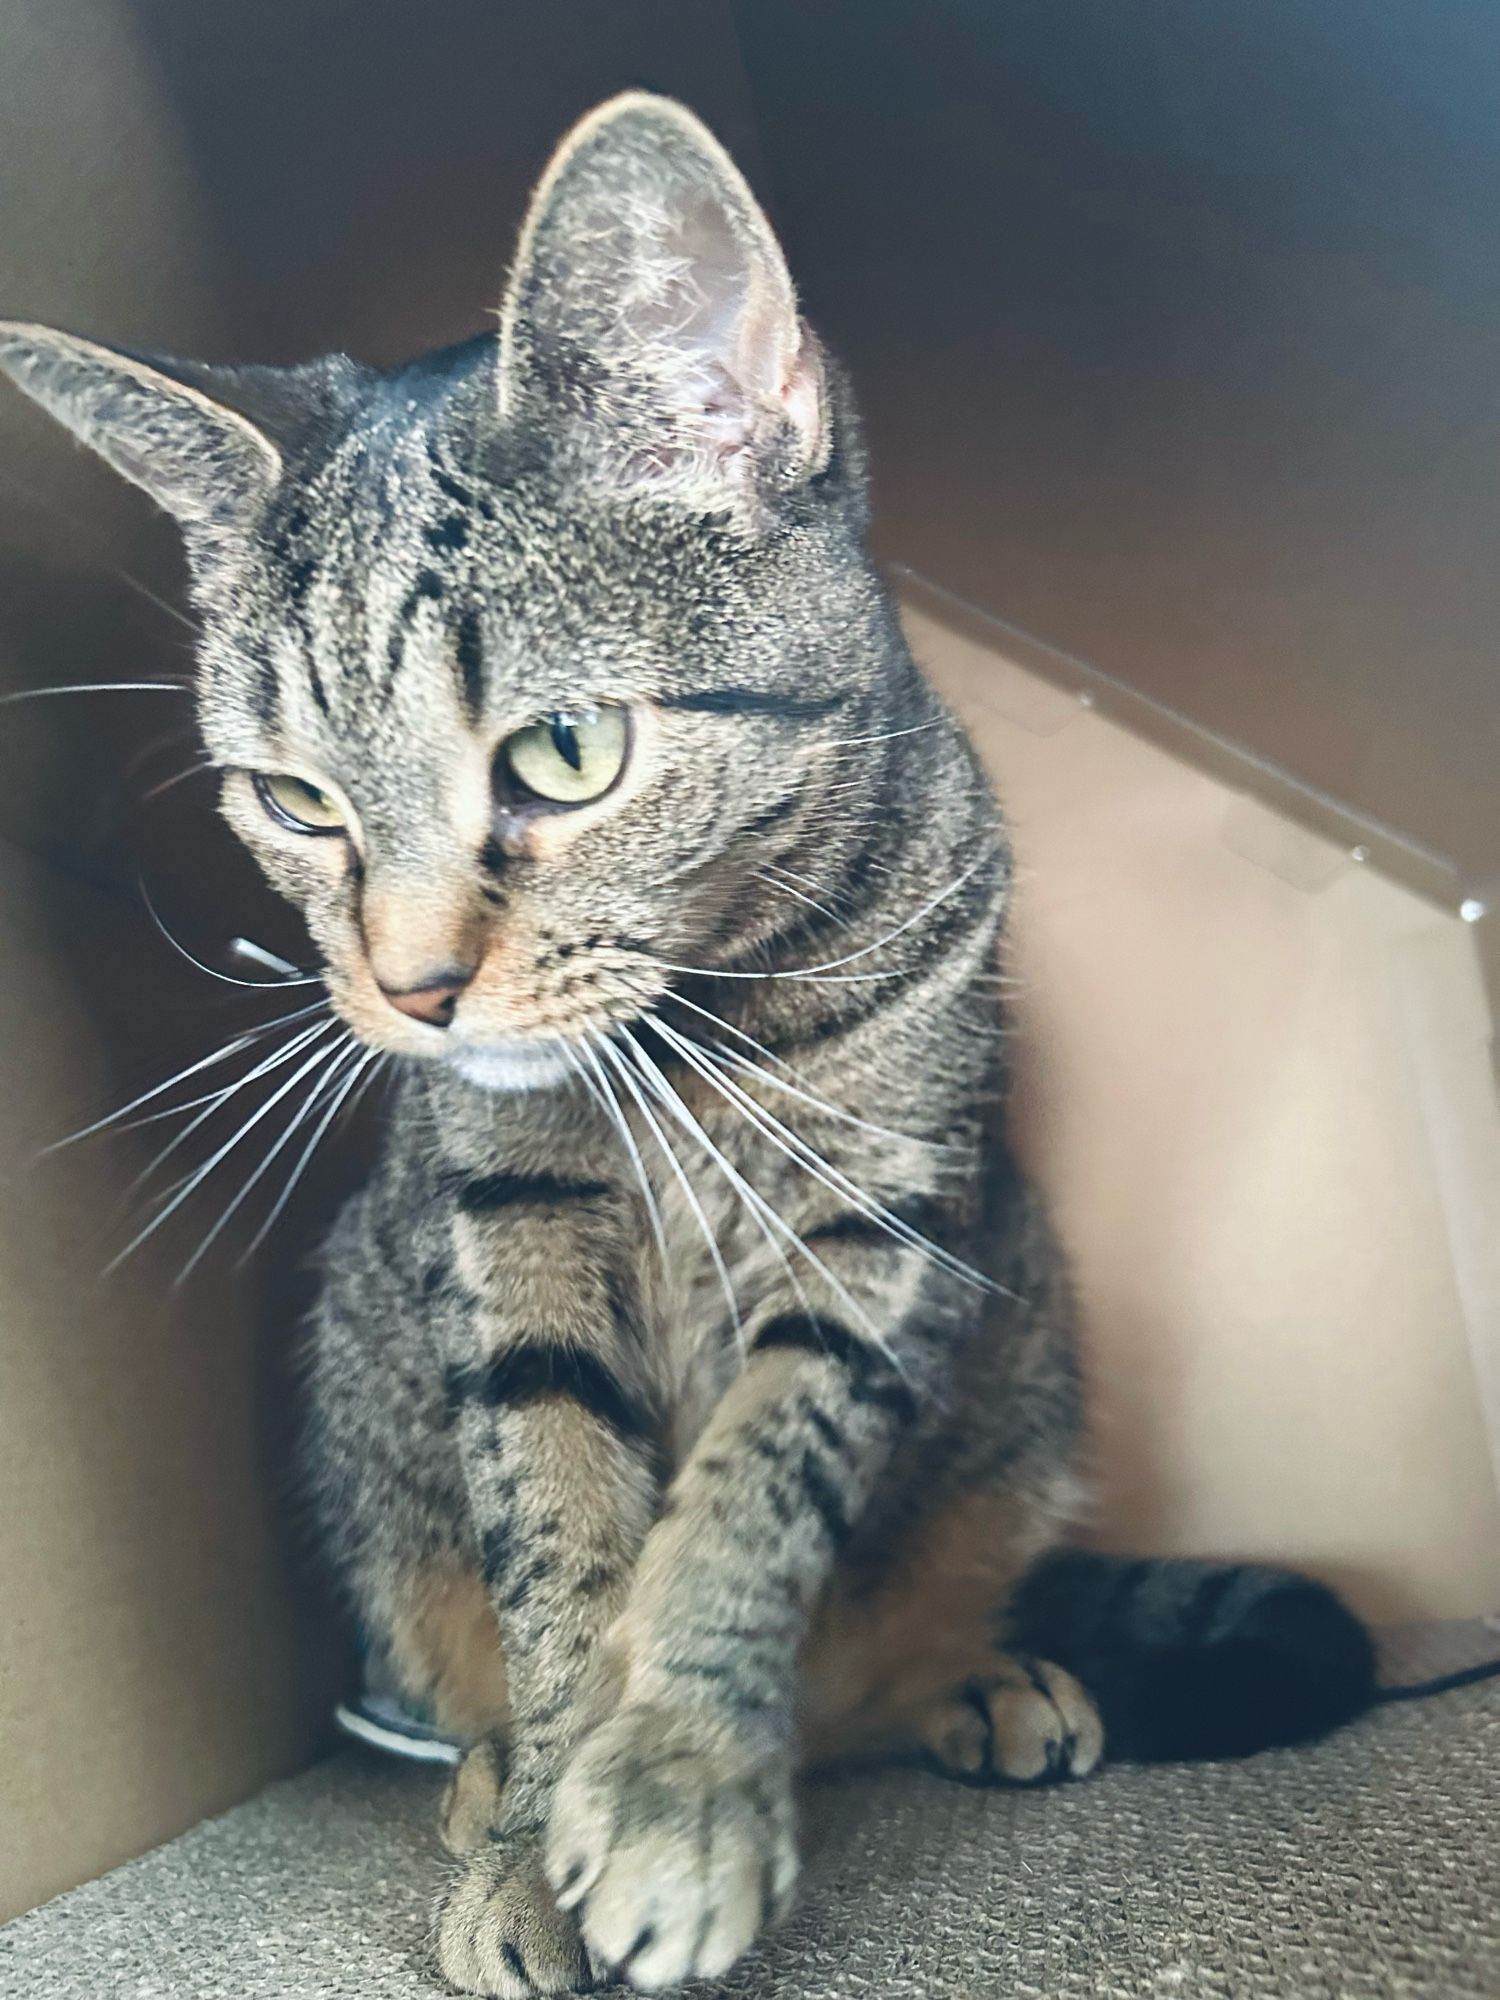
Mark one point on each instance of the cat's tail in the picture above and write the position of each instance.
(1191, 1659)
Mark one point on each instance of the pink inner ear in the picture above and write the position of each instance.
(802, 391)
(743, 352)
(672, 284)
(712, 317)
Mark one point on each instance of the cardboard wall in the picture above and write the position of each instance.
(1254, 1079)
(153, 1666)
(1175, 326)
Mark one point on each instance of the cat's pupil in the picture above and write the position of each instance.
(565, 741)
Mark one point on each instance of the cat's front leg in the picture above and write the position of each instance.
(672, 1833)
(558, 1448)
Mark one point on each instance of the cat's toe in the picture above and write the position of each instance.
(470, 1814)
(500, 1931)
(675, 1848)
(1026, 1722)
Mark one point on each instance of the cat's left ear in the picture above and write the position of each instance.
(155, 421)
(650, 326)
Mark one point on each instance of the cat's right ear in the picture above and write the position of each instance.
(203, 462)
(650, 330)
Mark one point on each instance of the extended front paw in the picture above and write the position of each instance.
(673, 1842)
(500, 1930)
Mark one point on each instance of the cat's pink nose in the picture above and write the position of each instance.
(435, 1000)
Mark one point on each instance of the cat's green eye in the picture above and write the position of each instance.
(295, 803)
(570, 757)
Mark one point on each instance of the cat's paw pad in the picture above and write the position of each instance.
(673, 1844)
(470, 1817)
(500, 1931)
(1025, 1722)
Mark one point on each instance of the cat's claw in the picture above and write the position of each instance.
(673, 1845)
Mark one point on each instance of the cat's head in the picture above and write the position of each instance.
(523, 663)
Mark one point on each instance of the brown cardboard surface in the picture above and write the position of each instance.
(1254, 1077)
(152, 1668)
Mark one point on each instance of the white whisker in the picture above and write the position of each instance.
(197, 1179)
(932, 903)
(886, 735)
(79, 524)
(244, 1041)
(97, 687)
(808, 1097)
(807, 881)
(327, 1061)
(257, 954)
(774, 880)
(178, 777)
(824, 973)
(758, 1204)
(833, 1178)
(598, 1086)
(256, 985)
(188, 1104)
(754, 1203)
(812, 978)
(679, 1172)
(143, 590)
(218, 1099)
(369, 1068)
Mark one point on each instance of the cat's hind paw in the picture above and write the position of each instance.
(1023, 1722)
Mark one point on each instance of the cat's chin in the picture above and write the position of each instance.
(512, 1066)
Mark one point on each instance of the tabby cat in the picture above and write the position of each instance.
(693, 1390)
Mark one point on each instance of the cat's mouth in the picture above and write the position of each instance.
(518, 1063)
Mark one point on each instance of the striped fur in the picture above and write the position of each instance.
(693, 1384)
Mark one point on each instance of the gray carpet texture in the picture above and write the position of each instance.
(1365, 1866)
